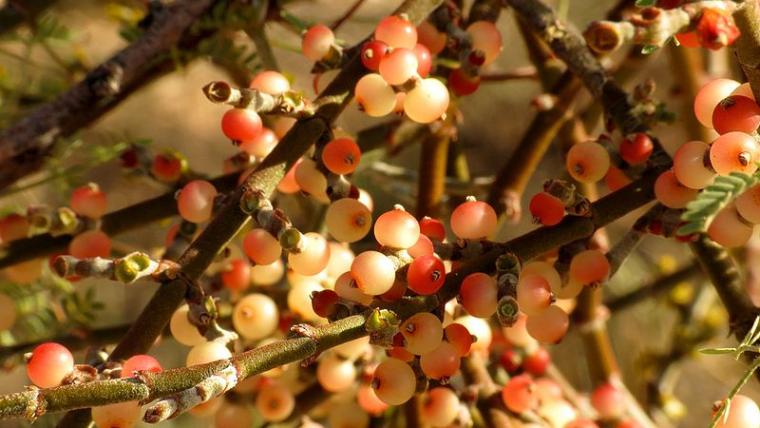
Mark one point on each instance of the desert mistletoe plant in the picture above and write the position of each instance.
(300, 297)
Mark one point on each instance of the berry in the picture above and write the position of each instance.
(335, 374)
(615, 179)
(708, 98)
(423, 247)
(89, 201)
(255, 316)
(716, 29)
(311, 180)
(317, 42)
(261, 145)
(427, 102)
(375, 96)
(534, 294)
(396, 32)
(424, 60)
(589, 267)
(288, 184)
(745, 90)
(372, 52)
(426, 275)
(275, 403)
(729, 229)
(440, 363)
(139, 363)
(422, 333)
(182, 330)
(479, 329)
(373, 272)
(348, 220)
(13, 227)
(487, 39)
(341, 155)
(546, 271)
(118, 415)
(537, 362)
(196, 200)
(748, 204)
(511, 360)
(168, 167)
(341, 258)
(548, 326)
(473, 220)
(742, 413)
(398, 66)
(463, 84)
(49, 365)
(313, 257)
(671, 193)
(689, 165)
(300, 302)
(270, 82)
(207, 352)
(429, 36)
(241, 124)
(348, 289)
(261, 247)
(237, 275)
(688, 39)
(546, 209)
(394, 382)
(432, 228)
(397, 229)
(587, 162)
(440, 407)
(324, 303)
(734, 152)
(636, 149)
(519, 394)
(736, 113)
(479, 295)
(609, 401)
(459, 337)
(89, 244)
(266, 275)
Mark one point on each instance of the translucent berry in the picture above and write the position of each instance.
(373, 272)
(729, 229)
(117, 415)
(398, 66)
(424, 60)
(743, 412)
(316, 42)
(347, 289)
(608, 401)
(432, 228)
(422, 333)
(440, 363)
(487, 39)
(546, 209)
(394, 382)
(167, 167)
(589, 267)
(519, 394)
(261, 247)
(429, 36)
(734, 152)
(396, 229)
(708, 98)
(341, 155)
(91, 243)
(736, 113)
(427, 102)
(533, 293)
(335, 374)
(89, 201)
(241, 124)
(473, 220)
(748, 204)
(479, 295)
(423, 247)
(440, 407)
(348, 220)
(671, 193)
(261, 145)
(270, 82)
(196, 201)
(207, 352)
(587, 162)
(266, 275)
(182, 330)
(313, 257)
(459, 337)
(426, 275)
(236, 275)
(138, 363)
(311, 180)
(479, 328)
(689, 165)
(636, 149)
(275, 402)
(341, 258)
(49, 365)
(396, 32)
(375, 96)
(372, 52)
(549, 325)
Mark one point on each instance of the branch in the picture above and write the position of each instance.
(747, 18)
(432, 170)
(24, 144)
(656, 288)
(16, 12)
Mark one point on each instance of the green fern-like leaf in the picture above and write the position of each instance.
(700, 212)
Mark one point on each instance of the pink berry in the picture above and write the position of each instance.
(587, 162)
(734, 152)
(49, 365)
(709, 96)
(92, 243)
(196, 201)
(671, 193)
(427, 101)
(424, 60)
(519, 394)
(423, 247)
(270, 82)
(534, 294)
(140, 363)
(487, 39)
(261, 247)
(473, 220)
(549, 325)
(89, 201)
(589, 267)
(689, 165)
(398, 66)
(261, 145)
(316, 42)
(241, 124)
(608, 400)
(237, 276)
(396, 229)
(479, 295)
(459, 337)
(397, 32)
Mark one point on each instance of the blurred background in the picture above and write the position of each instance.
(172, 113)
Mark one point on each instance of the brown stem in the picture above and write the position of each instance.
(16, 12)
(432, 178)
(656, 288)
(489, 400)
(347, 15)
(747, 18)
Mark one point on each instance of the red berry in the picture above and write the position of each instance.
(140, 363)
(372, 52)
(49, 365)
(167, 167)
(324, 303)
(636, 149)
(241, 124)
(688, 40)
(511, 360)
(237, 276)
(460, 337)
(462, 84)
(537, 362)
(736, 113)
(433, 228)
(716, 29)
(129, 158)
(424, 60)
(426, 275)
(341, 155)
(546, 209)
(89, 201)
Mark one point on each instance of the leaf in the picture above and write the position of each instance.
(645, 3)
(700, 212)
(648, 49)
(717, 351)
